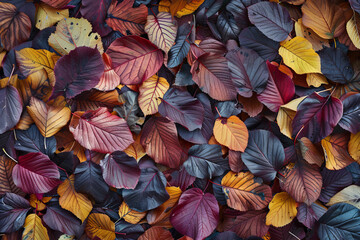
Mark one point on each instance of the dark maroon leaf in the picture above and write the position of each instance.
(11, 108)
(182, 179)
(205, 161)
(235, 162)
(120, 171)
(95, 12)
(272, 19)
(13, 210)
(334, 182)
(279, 90)
(351, 116)
(182, 108)
(308, 215)
(196, 214)
(36, 173)
(88, 179)
(78, 71)
(316, 117)
(149, 192)
(264, 154)
(248, 71)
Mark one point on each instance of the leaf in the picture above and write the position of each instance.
(227, 26)
(244, 192)
(109, 80)
(72, 33)
(310, 152)
(101, 131)
(15, 26)
(334, 182)
(316, 117)
(161, 30)
(31, 61)
(142, 198)
(88, 180)
(298, 54)
(49, 119)
(120, 171)
(151, 90)
(99, 225)
(178, 51)
(13, 210)
(156, 233)
(196, 214)
(130, 215)
(47, 16)
(316, 79)
(36, 173)
(352, 29)
(160, 216)
(181, 179)
(341, 221)
(231, 132)
(309, 215)
(34, 229)
(351, 114)
(39, 204)
(135, 59)
(324, 17)
(159, 137)
(66, 142)
(335, 65)
(335, 149)
(271, 19)
(56, 3)
(73, 201)
(264, 154)
(6, 180)
(282, 210)
(189, 8)
(348, 195)
(317, 42)
(205, 161)
(136, 150)
(354, 146)
(180, 107)
(248, 71)
(95, 13)
(11, 108)
(211, 74)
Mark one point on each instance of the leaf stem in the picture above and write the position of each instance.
(218, 111)
(9, 155)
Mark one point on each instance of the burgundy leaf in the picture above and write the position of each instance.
(309, 214)
(95, 12)
(181, 178)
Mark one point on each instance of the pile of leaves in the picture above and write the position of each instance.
(180, 119)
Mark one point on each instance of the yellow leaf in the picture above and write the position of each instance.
(25, 121)
(135, 149)
(354, 146)
(47, 16)
(282, 210)
(353, 29)
(232, 133)
(130, 215)
(31, 61)
(299, 55)
(335, 150)
(73, 201)
(316, 79)
(164, 6)
(350, 194)
(317, 42)
(74, 32)
(39, 205)
(151, 90)
(34, 229)
(160, 216)
(48, 119)
(285, 116)
(189, 8)
(99, 225)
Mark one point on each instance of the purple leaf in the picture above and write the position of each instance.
(11, 108)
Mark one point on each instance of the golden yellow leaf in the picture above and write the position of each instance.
(353, 29)
(74, 32)
(130, 215)
(160, 216)
(298, 54)
(316, 79)
(335, 149)
(189, 8)
(73, 201)
(39, 205)
(25, 121)
(49, 119)
(151, 90)
(47, 16)
(34, 229)
(31, 60)
(164, 6)
(282, 210)
(231, 132)
(99, 225)
(350, 194)
(317, 42)
(354, 146)
(135, 149)
(285, 116)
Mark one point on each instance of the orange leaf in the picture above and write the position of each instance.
(231, 132)
(38, 204)
(310, 152)
(99, 225)
(354, 146)
(34, 229)
(282, 210)
(158, 233)
(65, 142)
(130, 215)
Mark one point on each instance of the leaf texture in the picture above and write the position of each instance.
(34, 229)
(99, 225)
(282, 210)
